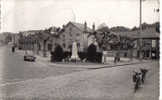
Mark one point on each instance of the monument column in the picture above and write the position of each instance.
(74, 55)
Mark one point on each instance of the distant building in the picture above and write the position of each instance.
(29, 32)
(150, 41)
(75, 32)
(8, 37)
(25, 39)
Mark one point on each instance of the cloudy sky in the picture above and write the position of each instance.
(19, 15)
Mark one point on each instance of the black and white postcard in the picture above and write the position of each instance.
(79, 49)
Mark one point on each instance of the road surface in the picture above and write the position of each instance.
(15, 69)
(29, 80)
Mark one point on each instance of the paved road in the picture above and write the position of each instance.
(100, 84)
(14, 69)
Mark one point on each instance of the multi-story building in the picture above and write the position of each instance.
(25, 39)
(149, 41)
(75, 32)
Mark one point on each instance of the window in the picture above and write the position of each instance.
(64, 45)
(70, 29)
(77, 34)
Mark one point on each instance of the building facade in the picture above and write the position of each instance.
(75, 32)
(149, 42)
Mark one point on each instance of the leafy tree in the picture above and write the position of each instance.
(134, 28)
(91, 53)
(107, 40)
(57, 55)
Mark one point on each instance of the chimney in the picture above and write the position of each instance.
(63, 26)
(85, 26)
(93, 27)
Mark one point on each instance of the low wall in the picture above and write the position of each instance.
(122, 53)
(108, 56)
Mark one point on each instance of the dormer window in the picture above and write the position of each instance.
(70, 29)
(63, 36)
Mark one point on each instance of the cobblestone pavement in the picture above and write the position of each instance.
(100, 84)
(13, 69)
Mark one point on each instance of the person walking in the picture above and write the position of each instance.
(117, 57)
(13, 49)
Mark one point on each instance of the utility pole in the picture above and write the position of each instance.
(140, 32)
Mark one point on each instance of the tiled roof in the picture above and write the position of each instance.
(150, 33)
(147, 33)
(29, 32)
(81, 26)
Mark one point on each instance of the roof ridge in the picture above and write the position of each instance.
(80, 24)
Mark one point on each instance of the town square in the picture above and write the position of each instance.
(82, 58)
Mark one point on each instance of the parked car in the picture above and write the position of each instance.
(29, 57)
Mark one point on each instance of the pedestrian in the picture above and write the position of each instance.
(13, 49)
(143, 72)
(137, 82)
(104, 53)
(117, 57)
(131, 54)
(137, 77)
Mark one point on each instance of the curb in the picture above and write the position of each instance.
(111, 66)
(104, 66)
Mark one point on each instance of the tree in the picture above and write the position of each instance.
(91, 53)
(57, 55)
(134, 28)
(107, 40)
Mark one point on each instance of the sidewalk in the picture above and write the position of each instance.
(96, 65)
(46, 61)
(88, 65)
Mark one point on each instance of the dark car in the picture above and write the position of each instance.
(28, 57)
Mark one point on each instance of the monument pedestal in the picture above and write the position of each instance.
(74, 56)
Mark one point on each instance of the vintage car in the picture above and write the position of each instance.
(29, 57)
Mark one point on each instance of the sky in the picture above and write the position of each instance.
(21, 15)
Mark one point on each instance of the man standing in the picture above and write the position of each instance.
(13, 48)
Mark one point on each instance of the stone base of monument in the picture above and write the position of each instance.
(74, 56)
(75, 60)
